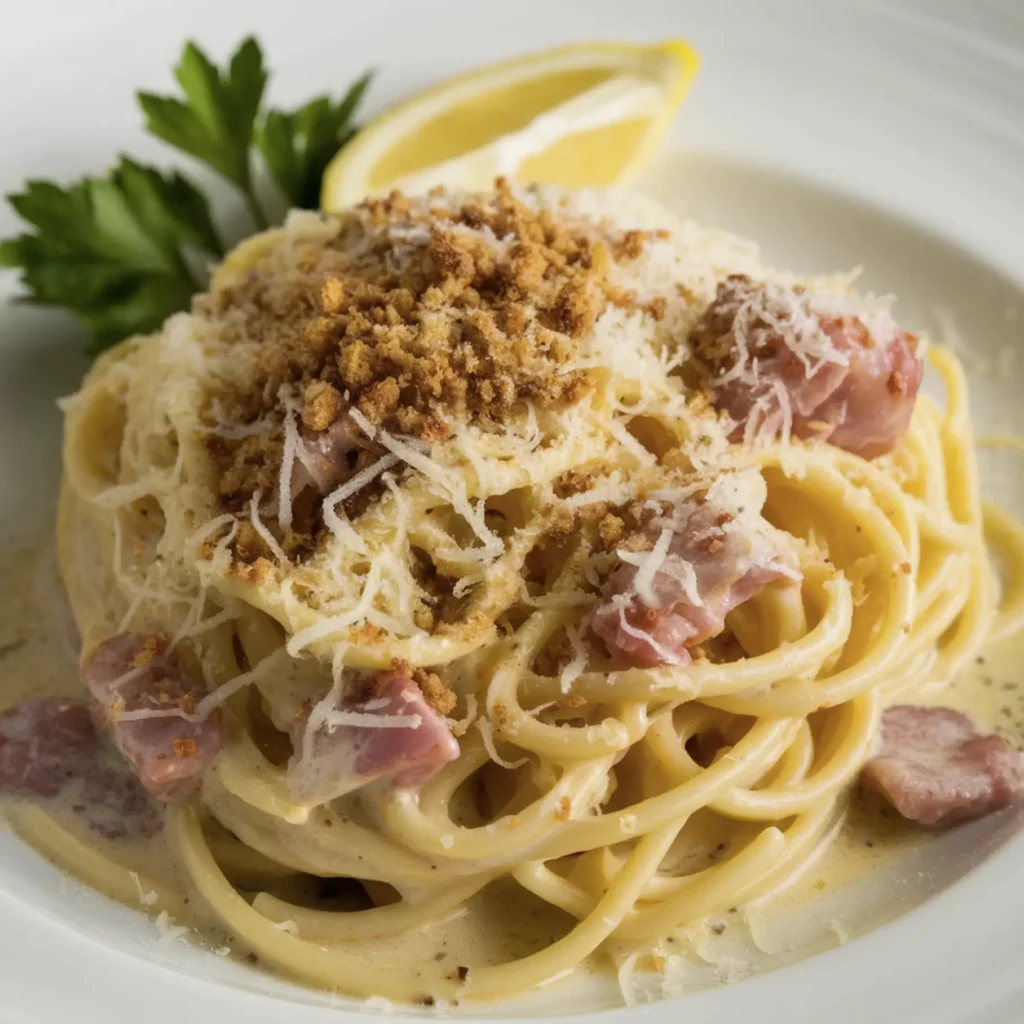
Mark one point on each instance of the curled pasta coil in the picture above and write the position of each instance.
(586, 789)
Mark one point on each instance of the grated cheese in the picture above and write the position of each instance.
(147, 899)
(359, 481)
(615, 491)
(534, 712)
(237, 432)
(578, 665)
(214, 699)
(647, 564)
(459, 726)
(168, 931)
(789, 316)
(487, 734)
(363, 720)
(326, 627)
(268, 538)
(378, 1004)
(292, 446)
(629, 442)
(453, 486)
(666, 655)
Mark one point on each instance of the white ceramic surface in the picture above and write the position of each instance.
(886, 133)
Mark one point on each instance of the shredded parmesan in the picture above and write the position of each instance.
(362, 720)
(459, 726)
(453, 485)
(487, 734)
(147, 899)
(629, 442)
(236, 432)
(167, 930)
(578, 665)
(268, 538)
(292, 444)
(359, 481)
(789, 316)
(534, 712)
(647, 565)
(668, 656)
(300, 640)
(378, 1004)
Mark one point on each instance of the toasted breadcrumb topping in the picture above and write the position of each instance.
(151, 648)
(420, 315)
(435, 691)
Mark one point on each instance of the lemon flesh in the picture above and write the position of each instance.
(579, 116)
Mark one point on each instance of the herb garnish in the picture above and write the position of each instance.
(121, 253)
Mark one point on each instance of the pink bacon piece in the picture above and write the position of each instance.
(51, 751)
(711, 566)
(774, 356)
(936, 765)
(395, 734)
(148, 706)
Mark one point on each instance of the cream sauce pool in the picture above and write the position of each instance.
(853, 885)
(876, 867)
(38, 657)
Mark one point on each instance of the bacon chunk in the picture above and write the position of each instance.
(936, 765)
(778, 355)
(345, 744)
(327, 458)
(712, 562)
(43, 743)
(51, 751)
(148, 705)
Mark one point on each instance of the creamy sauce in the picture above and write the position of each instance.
(869, 872)
(38, 657)
(502, 922)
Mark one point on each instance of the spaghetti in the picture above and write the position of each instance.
(491, 506)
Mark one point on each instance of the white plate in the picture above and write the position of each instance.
(887, 133)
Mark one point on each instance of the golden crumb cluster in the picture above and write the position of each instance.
(419, 313)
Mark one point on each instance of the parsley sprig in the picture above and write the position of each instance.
(123, 252)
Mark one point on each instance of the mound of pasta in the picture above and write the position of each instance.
(522, 543)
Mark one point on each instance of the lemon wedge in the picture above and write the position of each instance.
(578, 116)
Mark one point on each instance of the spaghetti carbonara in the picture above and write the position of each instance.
(529, 539)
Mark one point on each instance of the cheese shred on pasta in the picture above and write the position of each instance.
(498, 455)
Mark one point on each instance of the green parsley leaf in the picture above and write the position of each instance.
(112, 251)
(118, 252)
(217, 118)
(171, 207)
(298, 146)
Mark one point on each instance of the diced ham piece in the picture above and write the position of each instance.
(148, 705)
(327, 458)
(51, 751)
(778, 353)
(713, 562)
(394, 733)
(43, 744)
(937, 765)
